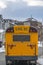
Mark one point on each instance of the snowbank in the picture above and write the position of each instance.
(40, 44)
(40, 60)
(2, 49)
(1, 30)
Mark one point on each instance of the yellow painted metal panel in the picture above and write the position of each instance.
(19, 48)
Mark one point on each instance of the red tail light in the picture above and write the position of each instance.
(32, 29)
(10, 29)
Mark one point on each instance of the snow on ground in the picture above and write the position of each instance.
(40, 44)
(2, 49)
(1, 30)
(40, 60)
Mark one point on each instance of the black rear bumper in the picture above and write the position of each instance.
(21, 58)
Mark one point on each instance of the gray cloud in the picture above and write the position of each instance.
(20, 10)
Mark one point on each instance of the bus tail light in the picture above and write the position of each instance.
(32, 29)
(10, 29)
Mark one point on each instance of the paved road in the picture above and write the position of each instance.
(2, 59)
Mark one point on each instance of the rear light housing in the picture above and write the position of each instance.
(10, 29)
(32, 29)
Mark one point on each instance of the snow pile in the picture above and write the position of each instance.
(1, 30)
(40, 44)
(2, 49)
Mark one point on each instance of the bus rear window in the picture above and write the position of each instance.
(21, 37)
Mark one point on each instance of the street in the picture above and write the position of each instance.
(2, 59)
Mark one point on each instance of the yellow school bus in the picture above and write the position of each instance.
(21, 45)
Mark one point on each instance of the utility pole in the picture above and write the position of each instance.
(42, 37)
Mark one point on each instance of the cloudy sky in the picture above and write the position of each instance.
(21, 9)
